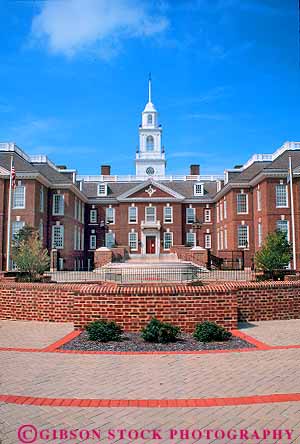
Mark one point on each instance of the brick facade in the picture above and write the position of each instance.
(133, 307)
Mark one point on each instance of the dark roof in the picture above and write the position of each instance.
(282, 161)
(116, 189)
(247, 174)
(23, 166)
(52, 174)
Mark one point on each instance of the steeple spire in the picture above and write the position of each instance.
(149, 86)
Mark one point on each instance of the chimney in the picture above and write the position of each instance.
(195, 170)
(105, 170)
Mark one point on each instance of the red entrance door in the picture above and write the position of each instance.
(150, 244)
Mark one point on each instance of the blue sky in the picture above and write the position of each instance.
(74, 79)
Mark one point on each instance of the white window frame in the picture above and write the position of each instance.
(193, 210)
(225, 209)
(286, 223)
(61, 206)
(168, 208)
(259, 234)
(199, 189)
(207, 215)
(107, 218)
(41, 230)
(225, 239)
(93, 241)
(93, 216)
(218, 214)
(102, 189)
(194, 241)
(221, 211)
(238, 196)
(42, 199)
(16, 226)
(152, 218)
(279, 196)
(134, 242)
(258, 198)
(19, 201)
(207, 241)
(135, 221)
(166, 234)
(110, 233)
(246, 243)
(62, 237)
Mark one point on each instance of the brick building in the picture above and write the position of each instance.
(150, 212)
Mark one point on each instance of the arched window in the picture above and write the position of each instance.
(149, 143)
(149, 119)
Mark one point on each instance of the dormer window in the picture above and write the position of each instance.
(149, 119)
(102, 189)
(150, 143)
(198, 189)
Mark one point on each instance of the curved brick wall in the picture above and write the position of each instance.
(132, 307)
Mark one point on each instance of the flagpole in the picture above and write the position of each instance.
(292, 214)
(9, 218)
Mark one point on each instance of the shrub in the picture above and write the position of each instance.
(209, 331)
(157, 331)
(31, 259)
(104, 331)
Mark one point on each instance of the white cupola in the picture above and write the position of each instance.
(150, 157)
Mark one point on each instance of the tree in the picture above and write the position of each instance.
(275, 254)
(29, 255)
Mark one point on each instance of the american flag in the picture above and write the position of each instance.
(13, 175)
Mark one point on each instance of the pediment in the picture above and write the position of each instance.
(153, 190)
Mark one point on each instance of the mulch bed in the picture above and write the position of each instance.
(132, 342)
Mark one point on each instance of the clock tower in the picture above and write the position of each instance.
(150, 157)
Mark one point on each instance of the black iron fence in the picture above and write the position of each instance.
(151, 275)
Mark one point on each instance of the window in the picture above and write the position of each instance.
(243, 238)
(198, 189)
(93, 216)
(168, 215)
(221, 240)
(221, 211)
(207, 215)
(150, 214)
(58, 205)
(58, 237)
(283, 225)
(168, 240)
(190, 215)
(19, 197)
(207, 241)
(132, 215)
(149, 119)
(218, 214)
(102, 189)
(93, 241)
(16, 227)
(42, 199)
(191, 239)
(218, 240)
(110, 215)
(242, 203)
(75, 237)
(150, 143)
(41, 230)
(133, 241)
(225, 239)
(281, 196)
(258, 196)
(259, 234)
(225, 208)
(109, 239)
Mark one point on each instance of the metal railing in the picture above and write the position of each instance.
(151, 275)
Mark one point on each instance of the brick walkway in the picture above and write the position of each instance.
(76, 376)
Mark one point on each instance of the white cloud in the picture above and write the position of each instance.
(70, 26)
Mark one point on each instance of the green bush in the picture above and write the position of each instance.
(104, 331)
(160, 332)
(209, 332)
